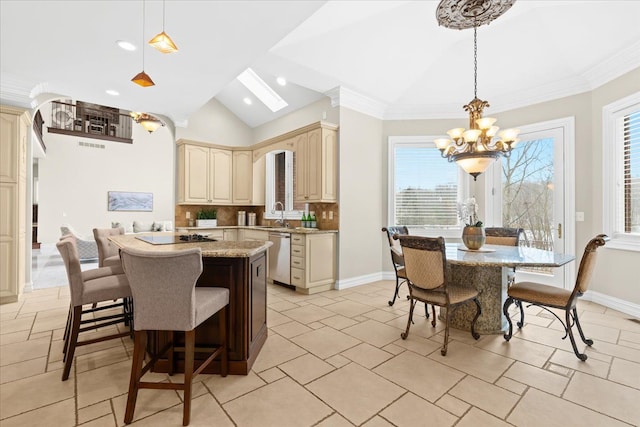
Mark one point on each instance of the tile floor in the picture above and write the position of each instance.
(331, 359)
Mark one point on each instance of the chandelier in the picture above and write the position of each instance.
(147, 121)
(476, 148)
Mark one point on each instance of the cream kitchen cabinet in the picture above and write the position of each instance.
(204, 175)
(316, 164)
(313, 262)
(242, 178)
(251, 234)
(14, 131)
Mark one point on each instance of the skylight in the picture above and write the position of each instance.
(262, 90)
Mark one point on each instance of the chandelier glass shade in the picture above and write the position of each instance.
(476, 148)
(147, 121)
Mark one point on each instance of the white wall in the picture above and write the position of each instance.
(74, 180)
(216, 124)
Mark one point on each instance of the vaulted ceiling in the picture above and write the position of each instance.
(389, 58)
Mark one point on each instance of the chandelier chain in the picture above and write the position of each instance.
(475, 61)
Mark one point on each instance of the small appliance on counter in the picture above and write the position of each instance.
(251, 218)
(242, 219)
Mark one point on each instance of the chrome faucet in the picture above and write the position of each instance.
(275, 208)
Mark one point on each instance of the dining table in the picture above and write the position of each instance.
(487, 269)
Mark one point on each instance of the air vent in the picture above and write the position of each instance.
(90, 145)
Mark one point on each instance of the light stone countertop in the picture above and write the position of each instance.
(297, 230)
(220, 248)
(505, 256)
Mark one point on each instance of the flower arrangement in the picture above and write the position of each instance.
(468, 213)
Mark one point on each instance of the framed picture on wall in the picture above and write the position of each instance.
(130, 201)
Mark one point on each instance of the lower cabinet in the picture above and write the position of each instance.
(246, 279)
(313, 262)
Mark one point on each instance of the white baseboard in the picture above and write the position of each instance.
(363, 280)
(613, 303)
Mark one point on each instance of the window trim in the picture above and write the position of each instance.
(611, 164)
(269, 211)
(463, 183)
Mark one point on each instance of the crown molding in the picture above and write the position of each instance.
(618, 64)
(15, 91)
(343, 97)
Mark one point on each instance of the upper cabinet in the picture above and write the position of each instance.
(242, 178)
(204, 174)
(316, 163)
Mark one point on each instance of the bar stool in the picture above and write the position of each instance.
(165, 297)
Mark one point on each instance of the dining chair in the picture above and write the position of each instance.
(166, 298)
(91, 287)
(504, 236)
(397, 260)
(87, 248)
(545, 296)
(107, 252)
(426, 265)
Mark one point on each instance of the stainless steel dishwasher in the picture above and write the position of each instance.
(280, 258)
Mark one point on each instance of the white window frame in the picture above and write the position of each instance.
(463, 184)
(270, 191)
(612, 164)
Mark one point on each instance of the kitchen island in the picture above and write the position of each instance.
(239, 266)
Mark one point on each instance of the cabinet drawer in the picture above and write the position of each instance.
(297, 277)
(297, 239)
(297, 262)
(297, 250)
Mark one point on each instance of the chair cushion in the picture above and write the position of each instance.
(105, 288)
(112, 261)
(436, 296)
(540, 294)
(209, 301)
(101, 272)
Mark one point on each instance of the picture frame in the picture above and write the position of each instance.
(129, 201)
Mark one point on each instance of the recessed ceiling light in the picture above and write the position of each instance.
(281, 81)
(126, 45)
(112, 92)
(248, 101)
(262, 90)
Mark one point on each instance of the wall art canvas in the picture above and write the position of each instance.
(129, 201)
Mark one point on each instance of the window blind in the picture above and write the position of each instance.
(631, 172)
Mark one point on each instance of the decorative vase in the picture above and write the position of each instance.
(473, 237)
(206, 223)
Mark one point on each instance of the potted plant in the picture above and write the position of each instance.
(207, 218)
(473, 235)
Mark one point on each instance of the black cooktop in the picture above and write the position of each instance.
(170, 240)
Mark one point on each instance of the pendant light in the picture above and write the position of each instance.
(162, 41)
(142, 78)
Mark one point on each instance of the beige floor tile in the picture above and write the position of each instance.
(204, 410)
(488, 397)
(615, 350)
(321, 301)
(338, 360)
(24, 369)
(609, 398)
(148, 402)
(104, 421)
(537, 408)
(410, 410)
(103, 383)
(282, 403)
(393, 349)
(64, 414)
(25, 350)
(630, 336)
(275, 351)
(590, 366)
(591, 331)
(517, 349)
(475, 361)
(339, 322)
(546, 336)
(12, 307)
(335, 420)
(421, 326)
(419, 345)
(325, 342)
(537, 378)
(306, 368)
(94, 411)
(16, 325)
(355, 392)
(373, 332)
(308, 314)
(274, 318)
(511, 385)
(271, 375)
(420, 375)
(475, 417)
(622, 323)
(100, 358)
(453, 405)
(14, 337)
(382, 315)
(625, 372)
(630, 344)
(34, 392)
(291, 329)
(232, 386)
(367, 355)
(283, 305)
(349, 308)
(316, 325)
(377, 421)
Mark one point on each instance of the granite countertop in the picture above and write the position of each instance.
(505, 256)
(221, 248)
(297, 230)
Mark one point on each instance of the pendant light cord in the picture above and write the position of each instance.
(164, 4)
(143, 1)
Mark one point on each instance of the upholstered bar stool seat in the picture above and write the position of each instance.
(107, 252)
(165, 296)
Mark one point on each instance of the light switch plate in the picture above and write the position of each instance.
(330, 214)
(324, 214)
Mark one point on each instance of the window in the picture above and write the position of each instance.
(423, 187)
(621, 172)
(280, 170)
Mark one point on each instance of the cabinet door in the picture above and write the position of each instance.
(329, 165)
(196, 174)
(220, 178)
(314, 165)
(258, 294)
(259, 181)
(242, 177)
(301, 174)
(230, 235)
(320, 254)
